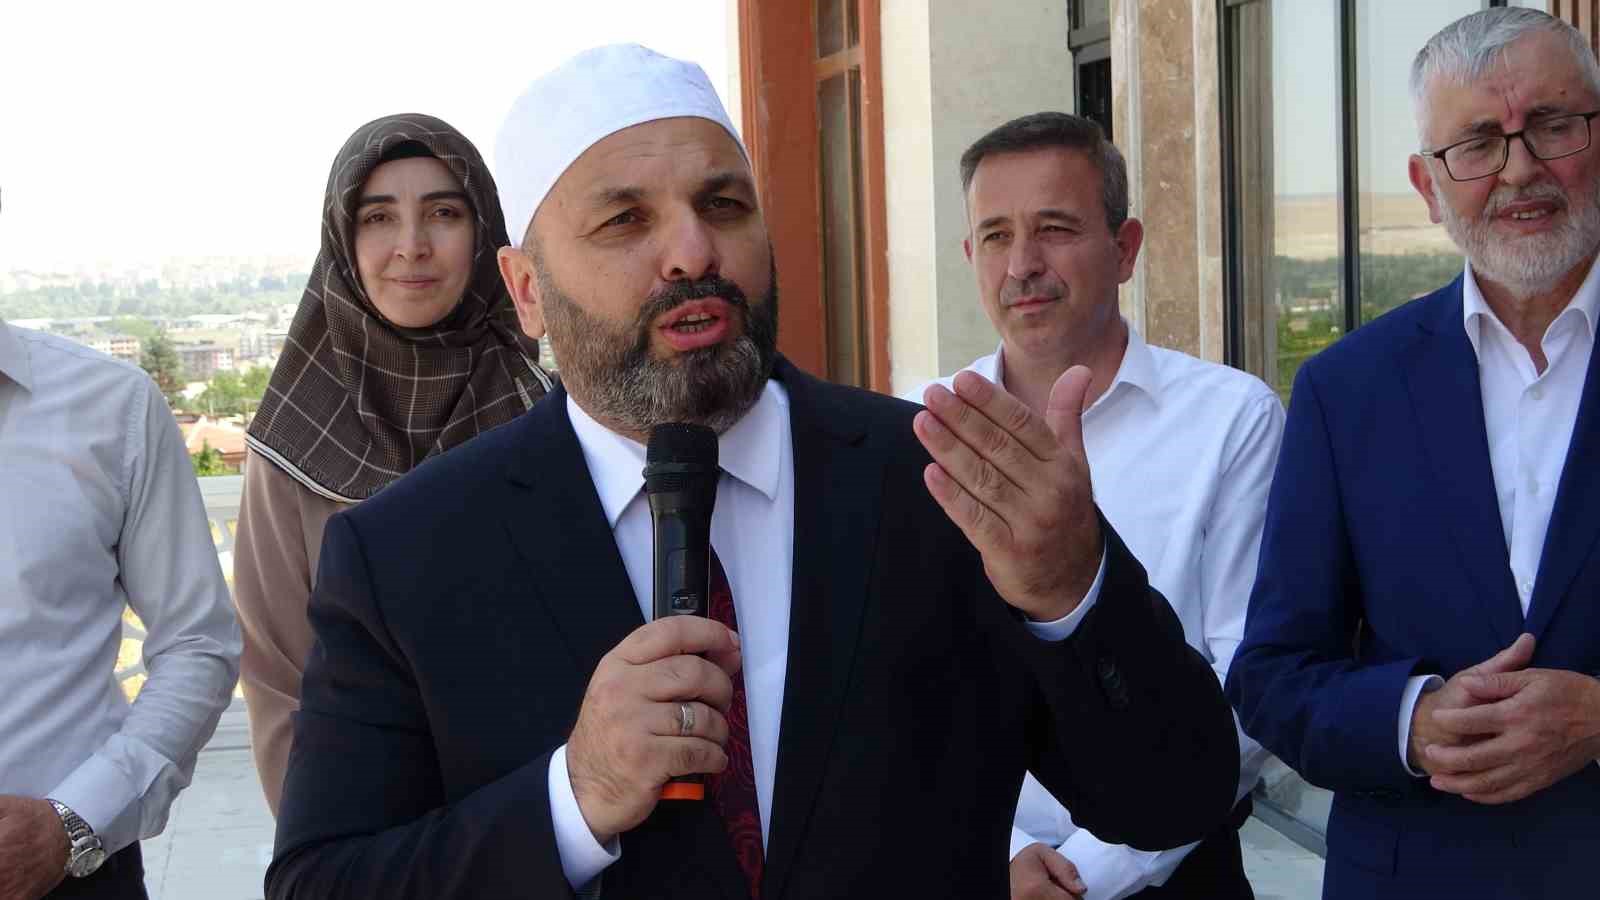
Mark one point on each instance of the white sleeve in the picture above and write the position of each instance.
(582, 857)
(1062, 628)
(1230, 550)
(1416, 686)
(168, 568)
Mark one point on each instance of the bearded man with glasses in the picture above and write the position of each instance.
(1420, 637)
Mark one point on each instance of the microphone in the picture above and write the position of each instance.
(680, 482)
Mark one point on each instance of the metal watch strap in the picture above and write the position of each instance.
(77, 828)
(85, 853)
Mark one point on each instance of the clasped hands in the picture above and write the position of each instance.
(1500, 731)
(1018, 487)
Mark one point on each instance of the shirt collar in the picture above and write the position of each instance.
(14, 358)
(750, 451)
(1138, 367)
(1585, 304)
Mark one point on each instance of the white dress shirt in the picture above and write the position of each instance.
(752, 531)
(102, 512)
(1181, 452)
(1529, 417)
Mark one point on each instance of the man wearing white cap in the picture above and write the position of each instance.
(487, 712)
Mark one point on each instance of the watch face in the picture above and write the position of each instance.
(86, 862)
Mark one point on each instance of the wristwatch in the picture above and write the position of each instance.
(87, 854)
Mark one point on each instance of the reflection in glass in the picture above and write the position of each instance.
(1090, 12)
(830, 27)
(1403, 255)
(839, 118)
(1286, 168)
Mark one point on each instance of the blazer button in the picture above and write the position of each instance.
(1111, 682)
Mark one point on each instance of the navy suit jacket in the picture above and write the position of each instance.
(1384, 557)
(460, 612)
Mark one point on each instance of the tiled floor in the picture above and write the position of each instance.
(218, 839)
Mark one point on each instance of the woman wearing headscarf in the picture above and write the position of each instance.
(405, 345)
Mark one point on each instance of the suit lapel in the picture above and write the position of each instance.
(1442, 378)
(555, 520)
(1574, 522)
(837, 483)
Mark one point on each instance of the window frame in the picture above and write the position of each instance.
(1349, 184)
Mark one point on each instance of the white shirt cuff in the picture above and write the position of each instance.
(1416, 685)
(1115, 871)
(101, 795)
(1062, 628)
(582, 857)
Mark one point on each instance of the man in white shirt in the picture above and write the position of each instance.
(1182, 452)
(99, 512)
(1422, 635)
(883, 658)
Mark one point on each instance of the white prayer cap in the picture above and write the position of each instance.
(597, 93)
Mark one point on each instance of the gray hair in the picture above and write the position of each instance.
(1467, 48)
(1056, 129)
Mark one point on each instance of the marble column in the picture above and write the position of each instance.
(1164, 71)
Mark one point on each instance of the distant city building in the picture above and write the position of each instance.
(224, 437)
(259, 343)
(122, 346)
(201, 361)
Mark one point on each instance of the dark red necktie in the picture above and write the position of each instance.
(734, 789)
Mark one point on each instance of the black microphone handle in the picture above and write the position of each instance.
(682, 563)
(681, 527)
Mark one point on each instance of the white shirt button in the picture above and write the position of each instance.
(1536, 393)
(1526, 587)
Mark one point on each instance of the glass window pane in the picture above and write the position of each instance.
(839, 116)
(1286, 168)
(830, 26)
(1403, 255)
(852, 24)
(1094, 94)
(1090, 12)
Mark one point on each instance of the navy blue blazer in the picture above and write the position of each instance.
(460, 612)
(1384, 557)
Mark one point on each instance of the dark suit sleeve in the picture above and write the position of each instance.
(1134, 735)
(363, 813)
(1295, 680)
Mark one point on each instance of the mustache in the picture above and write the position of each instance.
(1033, 287)
(677, 293)
(1505, 196)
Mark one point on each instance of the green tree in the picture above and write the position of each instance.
(207, 461)
(143, 329)
(233, 394)
(160, 359)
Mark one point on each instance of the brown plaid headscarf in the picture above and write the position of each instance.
(356, 401)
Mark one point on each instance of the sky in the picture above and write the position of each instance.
(138, 132)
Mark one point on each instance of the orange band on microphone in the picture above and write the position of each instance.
(683, 790)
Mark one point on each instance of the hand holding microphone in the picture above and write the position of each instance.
(654, 709)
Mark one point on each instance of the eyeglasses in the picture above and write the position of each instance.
(1480, 157)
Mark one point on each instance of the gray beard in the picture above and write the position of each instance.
(610, 371)
(1531, 265)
